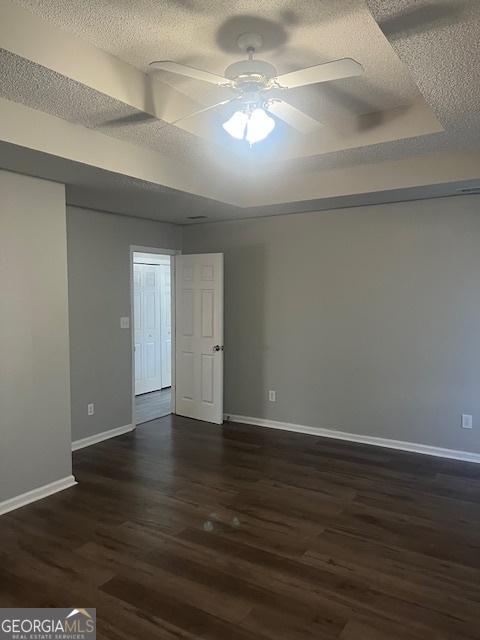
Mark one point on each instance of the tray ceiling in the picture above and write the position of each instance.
(419, 94)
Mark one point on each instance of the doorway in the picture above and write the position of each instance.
(152, 334)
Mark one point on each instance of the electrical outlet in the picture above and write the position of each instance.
(467, 421)
(125, 322)
(272, 396)
(90, 409)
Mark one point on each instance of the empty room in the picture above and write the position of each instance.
(239, 346)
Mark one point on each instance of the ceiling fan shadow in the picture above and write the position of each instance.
(189, 5)
(289, 17)
(273, 33)
(368, 114)
(369, 121)
(316, 11)
(192, 6)
(135, 117)
(427, 16)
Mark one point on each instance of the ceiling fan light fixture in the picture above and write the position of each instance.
(259, 126)
(251, 81)
(252, 127)
(236, 125)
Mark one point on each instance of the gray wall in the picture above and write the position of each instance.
(99, 294)
(34, 366)
(365, 320)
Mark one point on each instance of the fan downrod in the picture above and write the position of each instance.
(251, 75)
(249, 42)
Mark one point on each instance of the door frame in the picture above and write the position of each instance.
(172, 253)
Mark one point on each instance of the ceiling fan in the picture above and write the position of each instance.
(258, 90)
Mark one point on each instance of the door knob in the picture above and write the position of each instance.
(218, 347)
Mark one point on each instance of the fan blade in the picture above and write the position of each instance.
(189, 72)
(196, 113)
(293, 116)
(343, 68)
(213, 106)
(143, 118)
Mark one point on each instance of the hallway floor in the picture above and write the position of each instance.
(150, 406)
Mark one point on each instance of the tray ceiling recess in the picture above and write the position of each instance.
(359, 94)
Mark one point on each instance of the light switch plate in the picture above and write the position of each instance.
(125, 322)
(467, 421)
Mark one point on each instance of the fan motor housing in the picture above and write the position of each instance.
(255, 73)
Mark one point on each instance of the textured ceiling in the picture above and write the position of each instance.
(203, 32)
(439, 44)
(45, 90)
(433, 52)
(296, 34)
(437, 40)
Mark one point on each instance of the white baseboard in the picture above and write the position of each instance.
(36, 494)
(99, 437)
(354, 437)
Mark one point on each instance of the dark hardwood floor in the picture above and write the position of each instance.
(183, 530)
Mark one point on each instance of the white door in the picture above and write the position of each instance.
(147, 324)
(199, 336)
(166, 325)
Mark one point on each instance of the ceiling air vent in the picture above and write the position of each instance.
(467, 190)
(197, 217)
